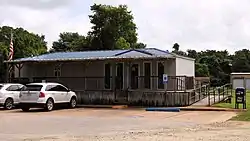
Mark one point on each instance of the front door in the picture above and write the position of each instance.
(121, 95)
(134, 76)
(119, 76)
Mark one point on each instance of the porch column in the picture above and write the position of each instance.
(154, 74)
(166, 71)
(113, 68)
(31, 72)
(10, 72)
(126, 75)
(7, 73)
(19, 67)
(141, 76)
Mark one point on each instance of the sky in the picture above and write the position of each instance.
(193, 24)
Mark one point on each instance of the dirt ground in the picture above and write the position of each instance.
(121, 125)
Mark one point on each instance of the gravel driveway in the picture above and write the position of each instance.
(107, 124)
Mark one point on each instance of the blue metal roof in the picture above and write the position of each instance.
(101, 55)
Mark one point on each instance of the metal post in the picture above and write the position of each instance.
(214, 95)
(219, 89)
(7, 73)
(223, 88)
(208, 92)
(200, 93)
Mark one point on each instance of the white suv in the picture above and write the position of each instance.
(46, 95)
(9, 95)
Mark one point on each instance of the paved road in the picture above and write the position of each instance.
(37, 125)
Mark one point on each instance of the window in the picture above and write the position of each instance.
(57, 71)
(147, 75)
(107, 76)
(13, 88)
(50, 88)
(32, 87)
(1, 87)
(56, 88)
(160, 75)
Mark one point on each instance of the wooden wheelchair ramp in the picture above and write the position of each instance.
(216, 95)
(208, 101)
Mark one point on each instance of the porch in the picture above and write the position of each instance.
(107, 75)
(93, 92)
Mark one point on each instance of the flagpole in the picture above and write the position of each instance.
(10, 57)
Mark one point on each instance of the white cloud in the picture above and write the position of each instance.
(49, 22)
(35, 4)
(195, 24)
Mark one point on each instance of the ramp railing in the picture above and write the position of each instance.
(219, 94)
(199, 93)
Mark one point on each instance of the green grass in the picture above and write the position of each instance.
(243, 116)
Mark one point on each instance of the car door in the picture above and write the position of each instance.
(52, 90)
(67, 94)
(13, 91)
(17, 93)
(63, 93)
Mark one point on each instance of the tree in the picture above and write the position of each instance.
(201, 70)
(122, 43)
(112, 26)
(70, 42)
(176, 47)
(25, 44)
(192, 53)
(177, 50)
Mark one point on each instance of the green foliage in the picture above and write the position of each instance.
(244, 116)
(122, 43)
(25, 44)
(176, 47)
(217, 64)
(113, 28)
(70, 42)
(201, 70)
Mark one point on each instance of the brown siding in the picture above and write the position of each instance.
(73, 73)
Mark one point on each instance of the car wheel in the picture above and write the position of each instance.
(49, 105)
(25, 109)
(9, 103)
(73, 102)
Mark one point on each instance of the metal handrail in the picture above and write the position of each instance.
(200, 94)
(224, 93)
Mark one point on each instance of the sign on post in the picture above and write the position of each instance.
(165, 78)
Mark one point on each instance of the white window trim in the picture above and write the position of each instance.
(151, 72)
(163, 62)
(111, 82)
(123, 84)
(129, 76)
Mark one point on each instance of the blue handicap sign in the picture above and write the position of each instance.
(165, 78)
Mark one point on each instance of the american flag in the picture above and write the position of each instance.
(11, 52)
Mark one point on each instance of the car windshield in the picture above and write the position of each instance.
(32, 87)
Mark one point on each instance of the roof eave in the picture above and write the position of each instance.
(180, 56)
(88, 59)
